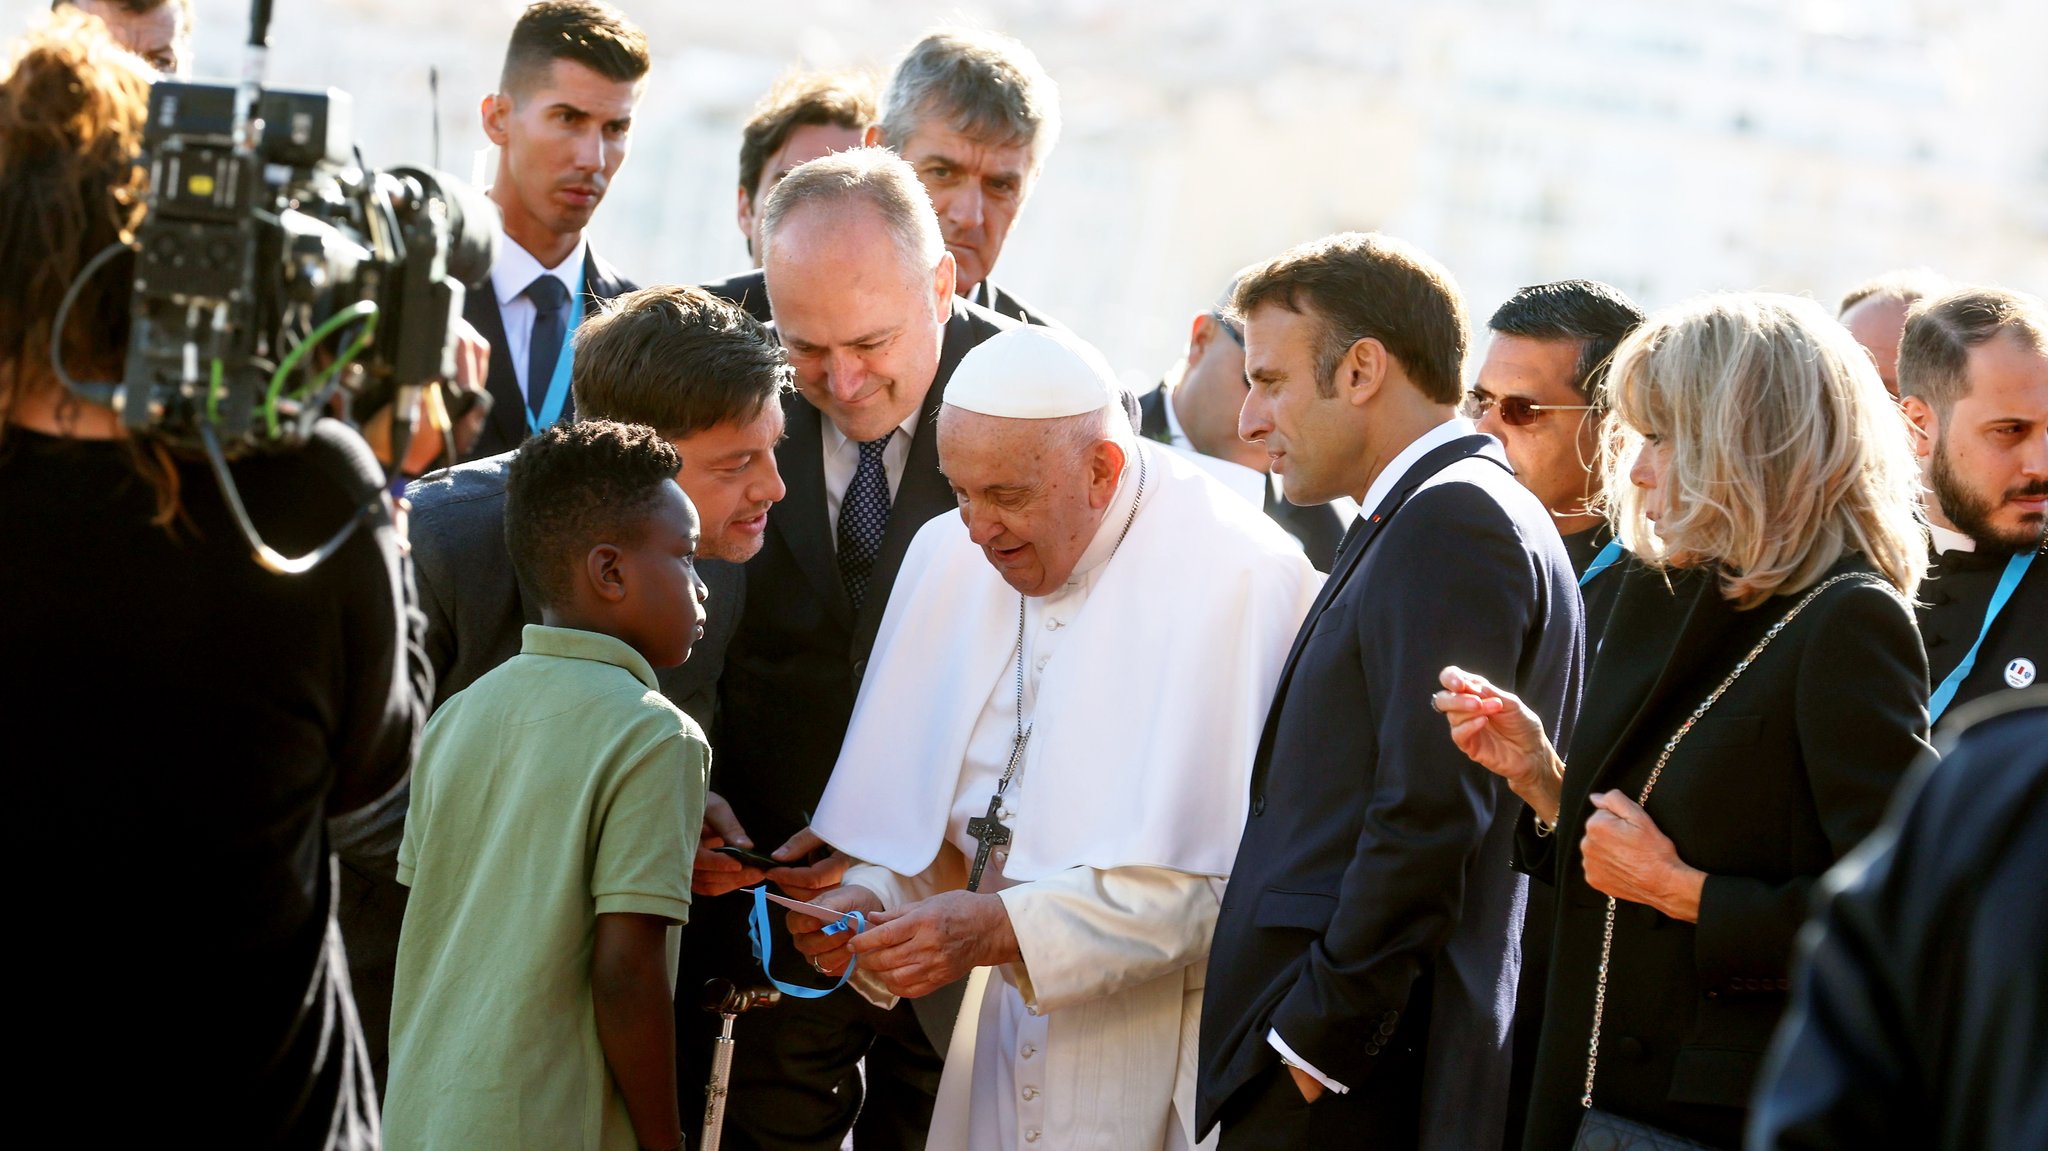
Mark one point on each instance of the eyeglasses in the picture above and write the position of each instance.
(1515, 411)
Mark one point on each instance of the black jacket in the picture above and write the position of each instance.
(1371, 916)
(750, 291)
(1953, 601)
(1318, 528)
(1788, 771)
(505, 428)
(1919, 1015)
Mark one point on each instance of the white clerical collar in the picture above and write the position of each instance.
(1950, 540)
(1391, 475)
(516, 268)
(1111, 530)
(836, 441)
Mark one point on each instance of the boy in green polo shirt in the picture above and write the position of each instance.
(555, 811)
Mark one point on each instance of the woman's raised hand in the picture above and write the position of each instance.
(1499, 733)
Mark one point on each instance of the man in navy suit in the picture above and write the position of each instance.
(561, 119)
(1361, 982)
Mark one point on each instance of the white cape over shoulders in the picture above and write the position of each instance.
(1146, 721)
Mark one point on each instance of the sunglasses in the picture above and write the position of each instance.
(1515, 411)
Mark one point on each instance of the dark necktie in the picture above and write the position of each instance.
(862, 516)
(548, 294)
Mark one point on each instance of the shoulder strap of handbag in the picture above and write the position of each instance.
(1643, 799)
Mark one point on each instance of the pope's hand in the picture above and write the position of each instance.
(814, 866)
(920, 948)
(827, 953)
(1497, 731)
(712, 873)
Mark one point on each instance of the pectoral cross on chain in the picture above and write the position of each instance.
(990, 829)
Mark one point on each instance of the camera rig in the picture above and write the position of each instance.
(279, 280)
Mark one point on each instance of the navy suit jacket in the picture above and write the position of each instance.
(505, 429)
(1371, 916)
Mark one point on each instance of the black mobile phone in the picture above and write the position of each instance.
(752, 859)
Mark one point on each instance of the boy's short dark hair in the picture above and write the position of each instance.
(574, 486)
(1360, 285)
(801, 99)
(677, 359)
(595, 35)
(1597, 315)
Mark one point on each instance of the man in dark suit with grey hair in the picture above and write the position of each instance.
(975, 115)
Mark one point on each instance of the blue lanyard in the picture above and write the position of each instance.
(1608, 557)
(558, 384)
(761, 934)
(2015, 571)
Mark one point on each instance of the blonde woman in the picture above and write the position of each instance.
(1763, 481)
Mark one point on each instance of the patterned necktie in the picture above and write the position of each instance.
(862, 516)
(548, 295)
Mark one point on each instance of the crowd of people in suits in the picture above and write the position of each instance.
(1599, 798)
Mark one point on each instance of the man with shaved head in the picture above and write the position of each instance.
(1045, 782)
(862, 288)
(1875, 313)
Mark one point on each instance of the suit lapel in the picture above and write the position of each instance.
(923, 491)
(508, 407)
(800, 518)
(601, 281)
(1350, 553)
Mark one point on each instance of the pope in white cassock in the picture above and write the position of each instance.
(1047, 771)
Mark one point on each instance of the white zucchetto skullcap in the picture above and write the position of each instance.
(1033, 373)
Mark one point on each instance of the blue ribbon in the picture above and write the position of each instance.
(2015, 571)
(761, 934)
(1608, 557)
(557, 395)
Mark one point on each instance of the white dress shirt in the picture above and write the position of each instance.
(842, 459)
(1382, 486)
(1244, 481)
(514, 270)
(1950, 540)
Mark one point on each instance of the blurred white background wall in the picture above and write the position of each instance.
(1797, 145)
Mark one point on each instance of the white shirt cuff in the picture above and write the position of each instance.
(1287, 1053)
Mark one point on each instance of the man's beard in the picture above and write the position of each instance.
(1971, 514)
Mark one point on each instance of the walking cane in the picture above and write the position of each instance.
(728, 1002)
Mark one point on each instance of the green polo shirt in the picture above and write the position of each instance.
(559, 787)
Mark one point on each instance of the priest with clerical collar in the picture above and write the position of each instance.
(1048, 766)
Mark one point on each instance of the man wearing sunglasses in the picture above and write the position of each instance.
(1538, 393)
